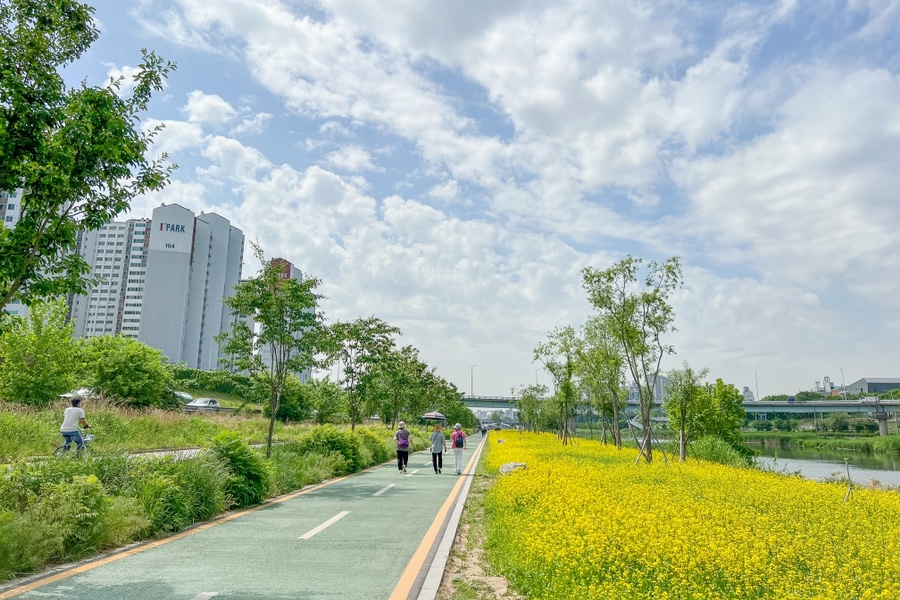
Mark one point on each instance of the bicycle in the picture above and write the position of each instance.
(64, 448)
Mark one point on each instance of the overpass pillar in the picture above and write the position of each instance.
(882, 423)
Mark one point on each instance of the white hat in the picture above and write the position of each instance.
(457, 426)
(401, 425)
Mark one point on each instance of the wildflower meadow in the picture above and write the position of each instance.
(585, 521)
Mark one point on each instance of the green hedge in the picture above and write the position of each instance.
(215, 381)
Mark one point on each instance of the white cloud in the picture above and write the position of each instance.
(253, 124)
(208, 109)
(351, 158)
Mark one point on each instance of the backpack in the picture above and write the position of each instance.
(402, 442)
(460, 440)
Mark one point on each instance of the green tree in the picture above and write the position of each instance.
(723, 416)
(442, 396)
(77, 153)
(38, 354)
(127, 369)
(531, 403)
(296, 399)
(684, 404)
(638, 315)
(559, 355)
(396, 383)
(358, 346)
(327, 400)
(600, 367)
(288, 335)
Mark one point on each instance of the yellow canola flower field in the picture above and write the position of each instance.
(584, 521)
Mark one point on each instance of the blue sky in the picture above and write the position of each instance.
(452, 166)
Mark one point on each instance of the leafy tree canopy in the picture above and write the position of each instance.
(127, 369)
(77, 153)
(38, 354)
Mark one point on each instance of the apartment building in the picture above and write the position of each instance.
(10, 211)
(163, 282)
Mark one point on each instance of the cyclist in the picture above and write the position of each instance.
(72, 417)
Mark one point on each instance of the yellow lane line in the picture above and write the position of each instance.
(408, 579)
(104, 561)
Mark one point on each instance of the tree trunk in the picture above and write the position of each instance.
(682, 440)
(276, 404)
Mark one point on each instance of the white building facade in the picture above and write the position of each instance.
(163, 282)
(10, 212)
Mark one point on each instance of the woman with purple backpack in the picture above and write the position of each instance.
(402, 439)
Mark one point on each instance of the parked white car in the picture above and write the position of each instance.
(203, 404)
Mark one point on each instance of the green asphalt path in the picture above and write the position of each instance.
(383, 517)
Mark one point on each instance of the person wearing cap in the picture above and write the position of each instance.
(402, 439)
(458, 441)
(438, 447)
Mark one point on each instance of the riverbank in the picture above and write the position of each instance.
(889, 444)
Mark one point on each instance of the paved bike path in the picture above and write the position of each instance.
(362, 536)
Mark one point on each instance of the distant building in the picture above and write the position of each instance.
(826, 387)
(873, 385)
(10, 213)
(163, 281)
(748, 395)
(660, 386)
(193, 263)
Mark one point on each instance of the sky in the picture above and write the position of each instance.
(451, 167)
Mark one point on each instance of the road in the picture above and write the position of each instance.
(369, 535)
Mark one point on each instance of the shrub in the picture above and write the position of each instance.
(325, 439)
(215, 381)
(374, 446)
(165, 503)
(294, 469)
(716, 450)
(124, 368)
(77, 511)
(250, 477)
(26, 544)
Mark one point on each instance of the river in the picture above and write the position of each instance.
(829, 464)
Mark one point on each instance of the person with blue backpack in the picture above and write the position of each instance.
(402, 440)
(458, 441)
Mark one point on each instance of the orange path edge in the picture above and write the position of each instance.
(408, 579)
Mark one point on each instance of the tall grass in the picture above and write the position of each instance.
(28, 431)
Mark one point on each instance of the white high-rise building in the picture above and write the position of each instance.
(117, 254)
(193, 263)
(10, 212)
(163, 282)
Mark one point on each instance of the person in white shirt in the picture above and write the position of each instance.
(72, 418)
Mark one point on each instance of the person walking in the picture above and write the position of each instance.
(72, 417)
(458, 441)
(402, 439)
(438, 447)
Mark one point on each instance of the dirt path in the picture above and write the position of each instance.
(467, 575)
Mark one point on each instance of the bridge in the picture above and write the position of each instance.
(495, 402)
(879, 409)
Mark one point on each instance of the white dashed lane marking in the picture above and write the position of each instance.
(384, 489)
(324, 525)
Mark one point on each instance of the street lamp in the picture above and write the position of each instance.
(472, 381)
(756, 377)
(843, 386)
